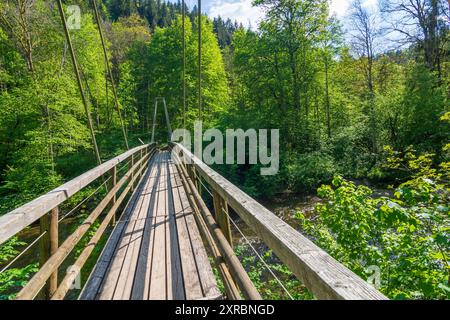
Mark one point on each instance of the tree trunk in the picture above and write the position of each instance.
(327, 99)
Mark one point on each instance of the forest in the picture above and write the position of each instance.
(361, 102)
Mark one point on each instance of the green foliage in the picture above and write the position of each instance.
(406, 236)
(8, 250)
(13, 279)
(163, 71)
(424, 102)
(304, 172)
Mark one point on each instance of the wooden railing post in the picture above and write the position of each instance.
(222, 216)
(54, 244)
(113, 183)
(44, 249)
(193, 176)
(142, 163)
(49, 245)
(190, 173)
(132, 172)
(198, 181)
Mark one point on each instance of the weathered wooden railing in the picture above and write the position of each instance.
(46, 208)
(235, 279)
(324, 277)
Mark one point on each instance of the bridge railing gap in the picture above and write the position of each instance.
(44, 284)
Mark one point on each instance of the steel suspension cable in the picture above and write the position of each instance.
(259, 256)
(113, 86)
(23, 252)
(199, 75)
(183, 19)
(84, 200)
(80, 85)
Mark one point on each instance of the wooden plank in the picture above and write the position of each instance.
(158, 272)
(205, 274)
(20, 218)
(129, 270)
(235, 267)
(159, 253)
(191, 279)
(175, 285)
(127, 273)
(111, 280)
(325, 277)
(141, 285)
(231, 289)
(67, 281)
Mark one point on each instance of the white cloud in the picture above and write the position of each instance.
(239, 10)
(370, 4)
(243, 11)
(339, 7)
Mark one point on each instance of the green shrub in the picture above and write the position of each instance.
(406, 237)
(305, 172)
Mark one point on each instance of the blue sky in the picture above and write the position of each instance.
(244, 12)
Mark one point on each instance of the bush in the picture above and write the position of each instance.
(406, 236)
(307, 171)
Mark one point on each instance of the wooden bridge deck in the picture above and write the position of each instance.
(155, 250)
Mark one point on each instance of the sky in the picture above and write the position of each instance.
(245, 13)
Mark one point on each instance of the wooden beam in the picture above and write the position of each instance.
(90, 289)
(325, 277)
(113, 184)
(132, 173)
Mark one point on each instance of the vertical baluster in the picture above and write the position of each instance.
(222, 216)
(113, 183)
(44, 249)
(142, 163)
(132, 172)
(54, 243)
(48, 246)
(198, 181)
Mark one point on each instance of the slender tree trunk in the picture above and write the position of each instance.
(295, 88)
(327, 99)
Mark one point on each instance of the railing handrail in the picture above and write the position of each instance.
(324, 276)
(21, 217)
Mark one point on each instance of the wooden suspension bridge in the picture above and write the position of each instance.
(166, 241)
